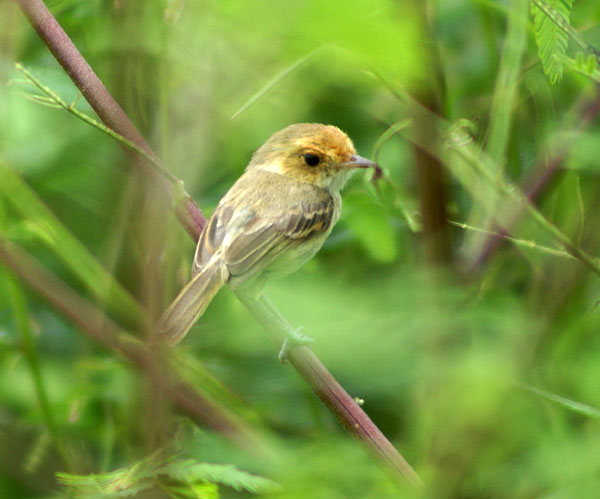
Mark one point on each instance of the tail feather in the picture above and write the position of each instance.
(191, 302)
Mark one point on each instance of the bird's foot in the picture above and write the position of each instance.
(294, 338)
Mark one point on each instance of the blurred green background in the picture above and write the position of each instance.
(485, 377)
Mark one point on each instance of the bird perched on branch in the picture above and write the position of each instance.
(273, 219)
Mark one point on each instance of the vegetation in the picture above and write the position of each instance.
(457, 298)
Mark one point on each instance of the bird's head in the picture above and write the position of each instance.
(321, 155)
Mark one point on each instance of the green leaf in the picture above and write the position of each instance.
(201, 490)
(371, 227)
(584, 150)
(191, 472)
(39, 222)
(551, 38)
(124, 482)
(181, 478)
(587, 67)
(274, 81)
(572, 405)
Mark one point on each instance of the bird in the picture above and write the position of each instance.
(273, 219)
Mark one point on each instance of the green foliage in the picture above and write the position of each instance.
(371, 227)
(571, 405)
(483, 374)
(41, 225)
(549, 21)
(587, 66)
(178, 478)
(228, 475)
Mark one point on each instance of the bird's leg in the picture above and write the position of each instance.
(294, 336)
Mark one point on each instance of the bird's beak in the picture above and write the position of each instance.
(357, 161)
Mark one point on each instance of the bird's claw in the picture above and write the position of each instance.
(294, 338)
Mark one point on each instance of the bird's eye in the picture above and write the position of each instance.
(311, 159)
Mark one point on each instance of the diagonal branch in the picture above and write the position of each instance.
(333, 395)
(303, 359)
(102, 329)
(544, 173)
(105, 106)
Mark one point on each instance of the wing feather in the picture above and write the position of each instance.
(254, 223)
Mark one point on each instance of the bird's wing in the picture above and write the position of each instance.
(250, 240)
(212, 237)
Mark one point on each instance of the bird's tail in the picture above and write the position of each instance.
(191, 302)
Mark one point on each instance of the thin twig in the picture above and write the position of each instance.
(46, 227)
(274, 81)
(398, 201)
(482, 169)
(28, 347)
(515, 240)
(54, 100)
(546, 172)
(516, 195)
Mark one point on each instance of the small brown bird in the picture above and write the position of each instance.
(273, 219)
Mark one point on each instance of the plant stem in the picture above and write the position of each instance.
(505, 91)
(105, 106)
(546, 171)
(482, 168)
(521, 199)
(102, 329)
(333, 395)
(19, 307)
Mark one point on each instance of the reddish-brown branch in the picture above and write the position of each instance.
(543, 175)
(107, 108)
(355, 421)
(303, 359)
(80, 72)
(102, 329)
(429, 170)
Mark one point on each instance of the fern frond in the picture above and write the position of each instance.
(123, 482)
(586, 66)
(179, 478)
(191, 472)
(551, 23)
(201, 490)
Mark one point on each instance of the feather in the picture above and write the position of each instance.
(191, 302)
(259, 230)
